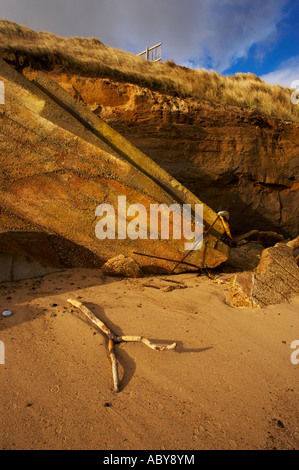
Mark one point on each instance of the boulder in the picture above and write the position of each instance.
(122, 266)
(244, 257)
(275, 280)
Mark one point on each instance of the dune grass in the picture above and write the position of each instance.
(89, 57)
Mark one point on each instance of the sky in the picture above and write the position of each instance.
(228, 36)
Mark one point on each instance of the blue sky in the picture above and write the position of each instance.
(229, 36)
(277, 58)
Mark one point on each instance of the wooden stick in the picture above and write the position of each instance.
(113, 339)
(258, 235)
(93, 318)
(245, 236)
(294, 244)
(141, 339)
(114, 364)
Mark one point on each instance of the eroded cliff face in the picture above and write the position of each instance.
(233, 159)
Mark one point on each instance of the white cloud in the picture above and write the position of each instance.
(210, 33)
(287, 73)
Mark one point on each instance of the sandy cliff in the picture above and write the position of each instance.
(233, 141)
(231, 158)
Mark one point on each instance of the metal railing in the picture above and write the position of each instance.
(153, 54)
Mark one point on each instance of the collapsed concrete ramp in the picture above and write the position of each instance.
(24, 255)
(27, 254)
(59, 162)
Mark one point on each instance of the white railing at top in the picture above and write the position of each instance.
(152, 53)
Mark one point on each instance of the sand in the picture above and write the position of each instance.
(230, 383)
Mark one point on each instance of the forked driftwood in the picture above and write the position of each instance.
(260, 235)
(113, 339)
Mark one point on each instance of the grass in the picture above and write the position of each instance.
(24, 47)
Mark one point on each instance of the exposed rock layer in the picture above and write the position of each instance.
(230, 158)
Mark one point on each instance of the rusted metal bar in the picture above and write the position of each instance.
(201, 239)
(166, 259)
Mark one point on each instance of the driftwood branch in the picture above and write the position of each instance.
(260, 236)
(114, 364)
(98, 323)
(294, 244)
(110, 335)
(113, 340)
(141, 339)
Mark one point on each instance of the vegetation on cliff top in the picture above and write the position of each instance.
(24, 47)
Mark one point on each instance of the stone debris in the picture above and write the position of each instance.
(246, 250)
(7, 313)
(244, 257)
(122, 266)
(275, 280)
(172, 288)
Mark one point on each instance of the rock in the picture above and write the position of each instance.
(244, 257)
(280, 424)
(122, 266)
(7, 313)
(169, 289)
(172, 288)
(275, 280)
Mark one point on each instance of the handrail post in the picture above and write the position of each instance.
(152, 53)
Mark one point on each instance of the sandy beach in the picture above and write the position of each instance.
(229, 384)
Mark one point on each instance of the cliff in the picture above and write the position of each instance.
(233, 159)
(232, 141)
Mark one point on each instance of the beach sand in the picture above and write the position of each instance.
(229, 384)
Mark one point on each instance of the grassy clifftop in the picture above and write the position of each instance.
(89, 57)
